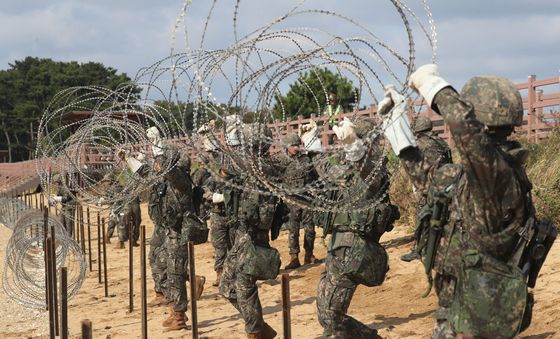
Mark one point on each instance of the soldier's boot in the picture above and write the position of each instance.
(120, 245)
(171, 316)
(158, 300)
(294, 262)
(135, 243)
(178, 322)
(218, 277)
(310, 258)
(266, 333)
(412, 255)
(199, 281)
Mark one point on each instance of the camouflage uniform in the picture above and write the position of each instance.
(354, 254)
(68, 209)
(170, 205)
(158, 254)
(299, 172)
(132, 214)
(223, 234)
(432, 153)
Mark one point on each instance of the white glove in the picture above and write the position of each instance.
(427, 81)
(57, 198)
(140, 156)
(217, 198)
(355, 151)
(345, 131)
(52, 202)
(155, 138)
(396, 126)
(309, 134)
(157, 149)
(233, 125)
(133, 164)
(101, 201)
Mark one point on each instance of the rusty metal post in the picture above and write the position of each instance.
(89, 238)
(49, 288)
(99, 247)
(531, 96)
(143, 287)
(130, 266)
(87, 329)
(64, 303)
(104, 258)
(46, 254)
(286, 306)
(54, 279)
(82, 230)
(36, 202)
(192, 276)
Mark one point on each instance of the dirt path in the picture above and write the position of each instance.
(395, 308)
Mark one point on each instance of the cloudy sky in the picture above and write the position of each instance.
(509, 38)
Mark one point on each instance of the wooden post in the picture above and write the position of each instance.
(46, 255)
(82, 230)
(531, 95)
(99, 246)
(144, 290)
(64, 303)
(130, 266)
(104, 258)
(286, 305)
(89, 238)
(192, 276)
(54, 279)
(52, 323)
(87, 329)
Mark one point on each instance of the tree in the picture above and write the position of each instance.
(308, 95)
(28, 86)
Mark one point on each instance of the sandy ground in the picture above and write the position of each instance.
(395, 308)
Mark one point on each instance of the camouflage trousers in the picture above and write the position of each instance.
(134, 217)
(68, 216)
(334, 294)
(111, 226)
(177, 270)
(445, 290)
(158, 260)
(298, 217)
(241, 288)
(222, 239)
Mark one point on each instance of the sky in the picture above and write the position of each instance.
(508, 38)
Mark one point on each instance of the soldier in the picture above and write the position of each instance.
(435, 153)
(251, 258)
(172, 210)
(491, 201)
(354, 255)
(130, 214)
(298, 172)
(67, 198)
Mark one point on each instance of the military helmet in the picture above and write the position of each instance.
(169, 158)
(362, 125)
(423, 124)
(291, 139)
(257, 136)
(496, 100)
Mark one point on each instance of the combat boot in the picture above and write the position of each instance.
(199, 281)
(294, 262)
(169, 319)
(120, 245)
(218, 277)
(413, 255)
(309, 258)
(178, 322)
(266, 333)
(158, 300)
(135, 243)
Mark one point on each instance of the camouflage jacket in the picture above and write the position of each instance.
(421, 162)
(171, 198)
(492, 191)
(298, 170)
